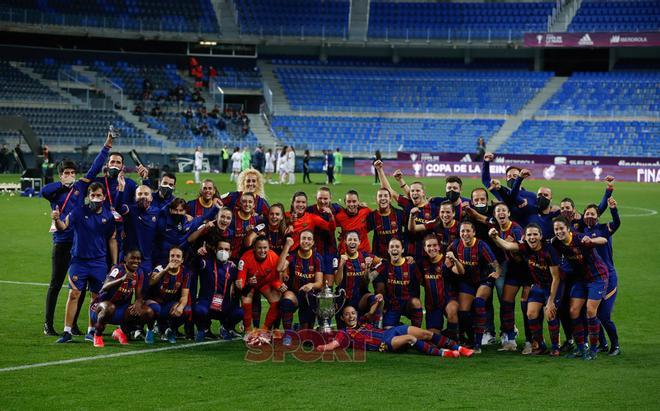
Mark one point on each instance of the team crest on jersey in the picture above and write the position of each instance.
(393, 225)
(104, 220)
(241, 263)
(153, 218)
(74, 278)
(179, 226)
(177, 284)
(114, 272)
(75, 193)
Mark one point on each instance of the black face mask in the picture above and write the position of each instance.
(113, 172)
(542, 202)
(95, 205)
(453, 195)
(481, 209)
(590, 221)
(165, 191)
(177, 218)
(509, 182)
(142, 203)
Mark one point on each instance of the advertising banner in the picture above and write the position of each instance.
(627, 39)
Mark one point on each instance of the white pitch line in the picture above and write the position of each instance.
(115, 355)
(24, 283)
(649, 212)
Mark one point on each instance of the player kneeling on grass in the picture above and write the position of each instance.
(216, 298)
(301, 272)
(363, 336)
(170, 294)
(113, 303)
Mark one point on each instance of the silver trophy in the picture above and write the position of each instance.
(326, 306)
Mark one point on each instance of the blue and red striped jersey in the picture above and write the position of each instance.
(400, 282)
(356, 281)
(170, 285)
(584, 259)
(241, 228)
(431, 276)
(362, 337)
(197, 209)
(124, 292)
(325, 242)
(385, 227)
(302, 270)
(233, 201)
(476, 258)
(539, 262)
(415, 245)
(445, 235)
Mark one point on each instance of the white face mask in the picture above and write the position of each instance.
(67, 181)
(222, 255)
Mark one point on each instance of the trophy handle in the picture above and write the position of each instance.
(342, 292)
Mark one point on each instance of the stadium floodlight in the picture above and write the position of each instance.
(208, 43)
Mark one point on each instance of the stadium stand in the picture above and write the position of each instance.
(607, 138)
(130, 77)
(133, 15)
(17, 86)
(75, 127)
(293, 17)
(600, 15)
(412, 91)
(494, 20)
(625, 93)
(387, 134)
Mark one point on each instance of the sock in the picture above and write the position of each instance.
(479, 305)
(426, 348)
(272, 314)
(601, 335)
(67, 329)
(464, 322)
(528, 333)
(594, 328)
(507, 318)
(416, 317)
(553, 328)
(90, 330)
(287, 308)
(247, 316)
(536, 329)
(441, 341)
(256, 312)
(578, 332)
(452, 331)
(565, 319)
(611, 332)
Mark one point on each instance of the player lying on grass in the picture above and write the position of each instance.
(363, 336)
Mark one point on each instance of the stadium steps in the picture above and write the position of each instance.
(262, 131)
(281, 106)
(565, 16)
(225, 11)
(512, 123)
(49, 84)
(358, 24)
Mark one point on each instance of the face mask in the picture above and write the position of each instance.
(165, 191)
(509, 182)
(177, 218)
(95, 205)
(222, 255)
(143, 203)
(481, 209)
(113, 172)
(590, 221)
(67, 181)
(452, 195)
(568, 215)
(542, 202)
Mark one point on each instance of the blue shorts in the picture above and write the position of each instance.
(595, 290)
(612, 282)
(516, 274)
(329, 263)
(391, 318)
(435, 318)
(540, 294)
(88, 272)
(388, 335)
(471, 288)
(117, 317)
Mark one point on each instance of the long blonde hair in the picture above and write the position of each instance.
(240, 182)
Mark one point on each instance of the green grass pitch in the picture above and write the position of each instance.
(217, 375)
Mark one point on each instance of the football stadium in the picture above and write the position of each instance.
(417, 204)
